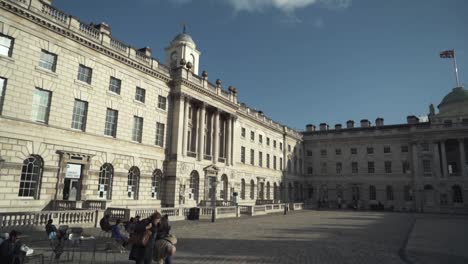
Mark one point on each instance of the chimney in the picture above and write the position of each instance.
(323, 126)
(350, 124)
(379, 122)
(103, 28)
(338, 127)
(310, 128)
(412, 120)
(365, 123)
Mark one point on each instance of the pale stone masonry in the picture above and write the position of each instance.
(87, 120)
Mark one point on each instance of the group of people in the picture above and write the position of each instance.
(158, 245)
(11, 248)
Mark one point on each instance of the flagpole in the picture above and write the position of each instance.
(456, 69)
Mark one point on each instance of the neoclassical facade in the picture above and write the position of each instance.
(86, 119)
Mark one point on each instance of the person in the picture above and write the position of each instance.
(165, 249)
(51, 230)
(104, 223)
(163, 231)
(119, 233)
(137, 218)
(130, 228)
(144, 254)
(10, 249)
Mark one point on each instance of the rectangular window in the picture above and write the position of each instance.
(274, 162)
(323, 152)
(243, 132)
(252, 157)
(274, 143)
(3, 82)
(370, 150)
(387, 149)
(260, 159)
(48, 61)
(427, 167)
(243, 155)
(353, 151)
(114, 85)
(354, 167)
(310, 170)
(388, 167)
(323, 168)
(404, 148)
(162, 102)
(281, 145)
(80, 112)
(6, 45)
(41, 106)
(289, 148)
(85, 74)
(281, 163)
(160, 134)
(337, 151)
(268, 160)
(425, 146)
(268, 141)
(408, 193)
(252, 135)
(339, 167)
(111, 122)
(370, 167)
(137, 131)
(260, 139)
(140, 94)
(405, 166)
(309, 153)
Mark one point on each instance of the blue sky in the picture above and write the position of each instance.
(307, 61)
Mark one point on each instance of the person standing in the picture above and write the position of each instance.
(10, 249)
(143, 254)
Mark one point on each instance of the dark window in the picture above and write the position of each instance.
(370, 167)
(404, 148)
(160, 134)
(80, 112)
(260, 159)
(162, 102)
(6, 45)
(133, 182)
(243, 154)
(387, 149)
(309, 153)
(354, 167)
(370, 150)
(140, 94)
(252, 157)
(372, 193)
(339, 167)
(111, 122)
(406, 166)
(85, 74)
(252, 135)
(268, 141)
(337, 151)
(389, 193)
(106, 174)
(3, 83)
(353, 151)
(388, 167)
(243, 132)
(31, 174)
(114, 85)
(457, 194)
(323, 152)
(137, 131)
(48, 61)
(156, 186)
(41, 105)
(310, 170)
(268, 160)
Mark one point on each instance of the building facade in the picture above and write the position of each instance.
(87, 119)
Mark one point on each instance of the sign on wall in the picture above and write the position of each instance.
(73, 171)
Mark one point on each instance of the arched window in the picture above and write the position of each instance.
(225, 190)
(457, 194)
(242, 194)
(275, 191)
(31, 175)
(194, 185)
(252, 189)
(268, 190)
(372, 193)
(389, 193)
(133, 182)
(106, 174)
(156, 186)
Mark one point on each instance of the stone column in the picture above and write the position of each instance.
(177, 126)
(228, 140)
(414, 153)
(201, 132)
(437, 168)
(233, 136)
(444, 159)
(216, 137)
(461, 145)
(185, 132)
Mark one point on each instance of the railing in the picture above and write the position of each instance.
(118, 213)
(64, 205)
(225, 93)
(261, 202)
(143, 57)
(118, 45)
(89, 30)
(219, 203)
(244, 209)
(55, 13)
(206, 210)
(195, 78)
(25, 2)
(259, 208)
(144, 212)
(212, 87)
(83, 218)
(170, 211)
(95, 205)
(298, 206)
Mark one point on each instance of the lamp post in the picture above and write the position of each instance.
(214, 183)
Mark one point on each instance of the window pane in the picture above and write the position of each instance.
(160, 134)
(6, 44)
(79, 115)
(84, 74)
(40, 108)
(114, 85)
(47, 61)
(162, 102)
(140, 94)
(2, 92)
(137, 129)
(111, 123)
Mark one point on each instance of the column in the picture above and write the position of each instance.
(461, 145)
(177, 126)
(437, 168)
(444, 159)
(216, 137)
(414, 153)
(233, 136)
(228, 140)
(201, 132)
(185, 132)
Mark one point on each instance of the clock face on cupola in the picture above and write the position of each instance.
(174, 56)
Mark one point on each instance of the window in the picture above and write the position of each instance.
(260, 159)
(309, 153)
(281, 145)
(6, 45)
(133, 181)
(111, 122)
(370, 150)
(194, 185)
(281, 163)
(160, 134)
(289, 148)
(162, 102)
(140, 94)
(260, 139)
(106, 174)
(156, 187)
(243, 155)
(388, 167)
(252, 189)
(405, 166)
(252, 157)
(310, 170)
(389, 193)
(274, 143)
(408, 193)
(404, 148)
(268, 160)
(457, 194)
(274, 162)
(323, 152)
(268, 141)
(242, 194)
(353, 151)
(114, 85)
(3, 82)
(80, 112)
(48, 61)
(323, 168)
(85, 74)
(31, 174)
(339, 167)
(137, 131)
(427, 167)
(337, 151)
(425, 146)
(370, 167)
(387, 149)
(41, 105)
(243, 132)
(252, 135)
(447, 123)
(354, 167)
(372, 193)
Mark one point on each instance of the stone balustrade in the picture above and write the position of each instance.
(55, 14)
(38, 220)
(120, 46)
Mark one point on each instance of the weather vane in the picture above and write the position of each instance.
(184, 27)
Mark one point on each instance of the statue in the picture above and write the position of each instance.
(431, 110)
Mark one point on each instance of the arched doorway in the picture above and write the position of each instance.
(194, 186)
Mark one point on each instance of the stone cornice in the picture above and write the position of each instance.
(251, 118)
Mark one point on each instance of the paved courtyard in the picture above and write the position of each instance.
(320, 237)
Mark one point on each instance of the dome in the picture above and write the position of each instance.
(456, 95)
(183, 37)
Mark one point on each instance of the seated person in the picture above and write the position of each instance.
(118, 232)
(10, 249)
(104, 223)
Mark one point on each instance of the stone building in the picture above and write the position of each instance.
(87, 120)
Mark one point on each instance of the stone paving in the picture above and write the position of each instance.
(324, 237)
